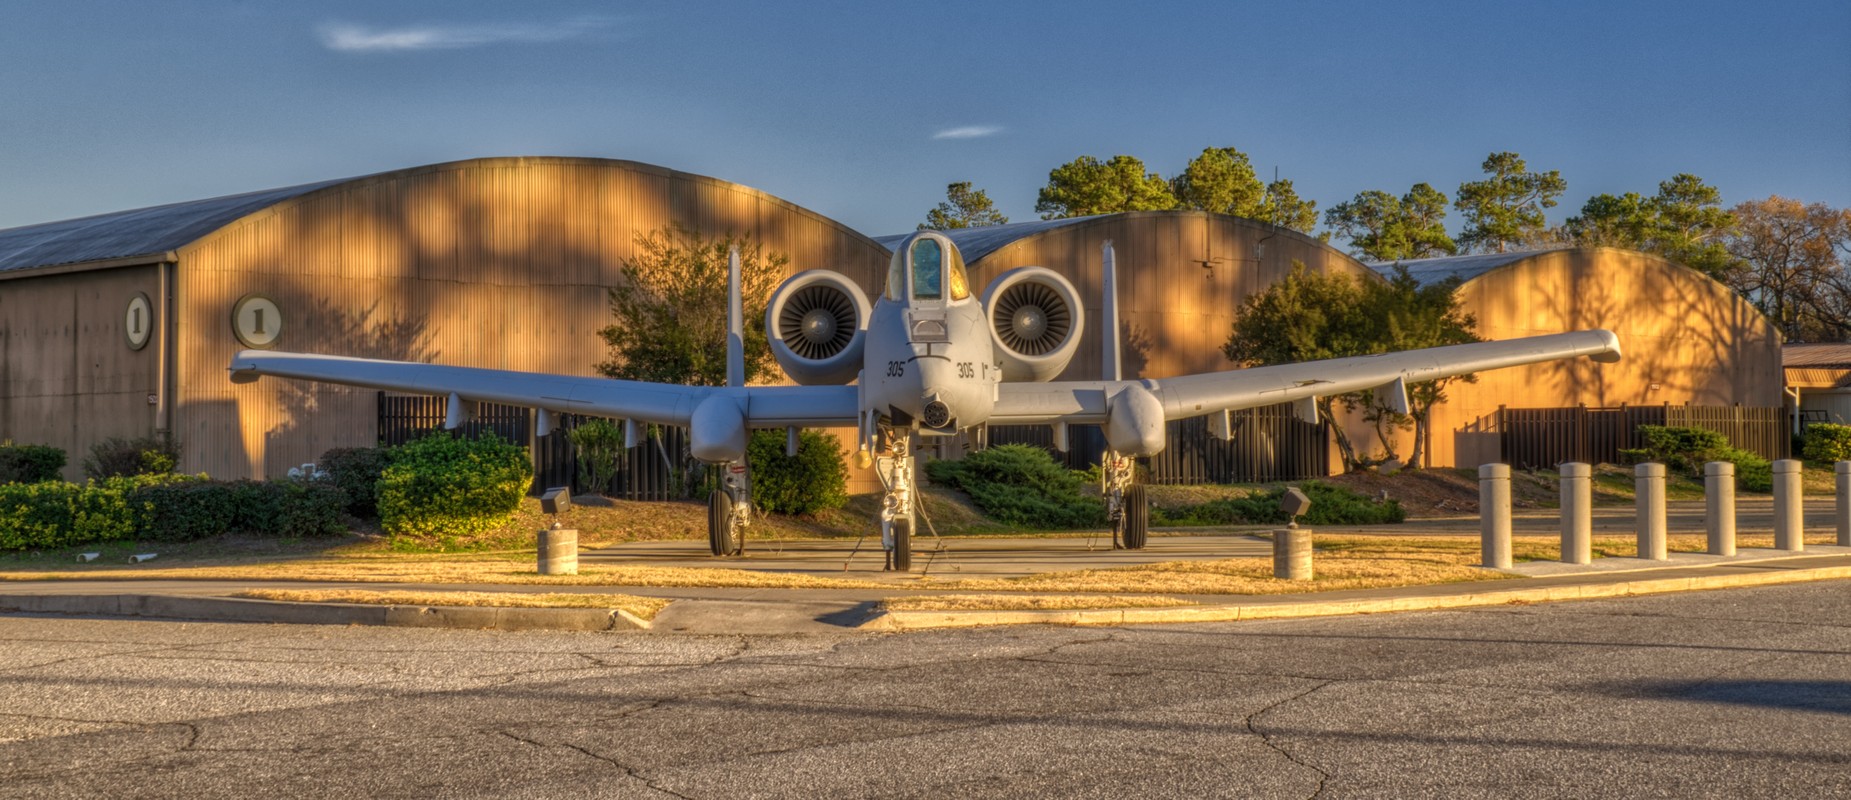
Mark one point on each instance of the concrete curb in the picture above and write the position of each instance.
(237, 609)
(918, 620)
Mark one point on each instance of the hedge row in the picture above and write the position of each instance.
(440, 487)
(29, 463)
(167, 508)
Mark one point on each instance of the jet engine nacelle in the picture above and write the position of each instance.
(1035, 322)
(817, 322)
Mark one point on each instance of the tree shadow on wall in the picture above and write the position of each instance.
(313, 417)
(1134, 344)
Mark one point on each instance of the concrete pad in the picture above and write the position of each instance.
(1746, 555)
(959, 557)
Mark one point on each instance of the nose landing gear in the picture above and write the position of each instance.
(897, 512)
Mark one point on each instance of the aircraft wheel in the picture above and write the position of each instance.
(719, 522)
(902, 556)
(1137, 518)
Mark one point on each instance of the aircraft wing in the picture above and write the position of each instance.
(1086, 402)
(658, 403)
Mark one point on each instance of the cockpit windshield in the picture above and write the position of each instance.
(928, 269)
(935, 270)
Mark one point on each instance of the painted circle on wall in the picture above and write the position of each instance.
(256, 320)
(138, 322)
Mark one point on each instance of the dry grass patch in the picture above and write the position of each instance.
(481, 569)
(1347, 562)
(642, 607)
(1028, 602)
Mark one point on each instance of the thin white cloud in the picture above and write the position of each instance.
(969, 132)
(351, 37)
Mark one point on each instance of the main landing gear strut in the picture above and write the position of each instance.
(1125, 506)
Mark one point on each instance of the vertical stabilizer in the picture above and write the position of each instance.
(1108, 314)
(735, 332)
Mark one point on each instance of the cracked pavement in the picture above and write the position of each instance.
(1732, 693)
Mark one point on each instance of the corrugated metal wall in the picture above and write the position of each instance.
(499, 263)
(1181, 278)
(1685, 339)
(68, 377)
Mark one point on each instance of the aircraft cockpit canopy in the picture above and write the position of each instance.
(928, 265)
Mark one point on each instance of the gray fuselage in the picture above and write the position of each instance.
(931, 361)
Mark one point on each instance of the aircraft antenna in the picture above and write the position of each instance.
(1108, 313)
(735, 332)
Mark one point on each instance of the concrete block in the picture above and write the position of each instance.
(1292, 554)
(1494, 515)
(1719, 507)
(1789, 515)
(1841, 508)
(1649, 503)
(1577, 513)
(559, 551)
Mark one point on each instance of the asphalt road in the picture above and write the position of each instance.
(1723, 694)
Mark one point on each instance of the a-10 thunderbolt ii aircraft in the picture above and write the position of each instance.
(928, 358)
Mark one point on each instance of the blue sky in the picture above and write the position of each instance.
(864, 111)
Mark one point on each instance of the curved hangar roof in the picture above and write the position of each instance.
(138, 232)
(975, 243)
(1430, 271)
(149, 234)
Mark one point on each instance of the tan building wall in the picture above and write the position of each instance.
(1182, 276)
(68, 377)
(1685, 339)
(500, 263)
(1175, 313)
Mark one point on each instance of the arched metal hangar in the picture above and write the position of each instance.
(495, 262)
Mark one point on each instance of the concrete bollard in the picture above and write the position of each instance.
(1292, 554)
(1494, 515)
(1649, 501)
(1789, 513)
(1842, 508)
(1719, 507)
(559, 552)
(1577, 513)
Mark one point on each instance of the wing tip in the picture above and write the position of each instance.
(1609, 351)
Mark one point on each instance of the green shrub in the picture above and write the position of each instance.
(598, 442)
(443, 487)
(1686, 450)
(1824, 443)
(187, 510)
(182, 511)
(1018, 484)
(356, 471)
(1752, 472)
(1330, 505)
(58, 514)
(814, 480)
(163, 508)
(288, 508)
(29, 463)
(147, 455)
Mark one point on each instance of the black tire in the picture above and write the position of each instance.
(902, 556)
(719, 521)
(1137, 518)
